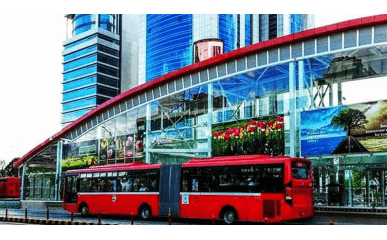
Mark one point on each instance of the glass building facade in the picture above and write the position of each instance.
(291, 102)
(91, 64)
(169, 38)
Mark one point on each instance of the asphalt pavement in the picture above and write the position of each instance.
(320, 218)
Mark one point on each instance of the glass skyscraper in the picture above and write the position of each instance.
(91, 60)
(100, 60)
(106, 54)
(168, 40)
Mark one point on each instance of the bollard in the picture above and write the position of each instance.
(331, 222)
(47, 213)
(25, 213)
(132, 219)
(99, 219)
(213, 220)
(72, 216)
(6, 214)
(169, 218)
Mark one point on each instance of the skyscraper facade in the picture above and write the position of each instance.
(106, 54)
(96, 61)
(168, 40)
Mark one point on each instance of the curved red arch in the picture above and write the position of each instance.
(289, 39)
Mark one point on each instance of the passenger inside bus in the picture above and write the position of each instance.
(135, 185)
(126, 184)
(143, 188)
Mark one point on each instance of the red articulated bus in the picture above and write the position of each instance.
(254, 188)
(10, 187)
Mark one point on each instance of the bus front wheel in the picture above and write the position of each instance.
(228, 216)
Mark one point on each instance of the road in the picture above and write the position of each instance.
(319, 218)
(65, 216)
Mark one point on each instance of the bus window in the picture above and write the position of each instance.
(127, 184)
(195, 185)
(273, 178)
(300, 170)
(83, 185)
(154, 180)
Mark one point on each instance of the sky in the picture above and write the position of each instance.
(31, 76)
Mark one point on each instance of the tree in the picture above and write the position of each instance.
(7, 170)
(2, 167)
(349, 119)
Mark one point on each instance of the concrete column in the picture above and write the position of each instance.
(302, 99)
(292, 108)
(242, 110)
(330, 96)
(58, 173)
(23, 178)
(382, 185)
(96, 20)
(339, 93)
(147, 130)
(209, 120)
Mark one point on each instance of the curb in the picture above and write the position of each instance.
(49, 222)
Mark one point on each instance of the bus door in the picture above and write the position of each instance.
(302, 184)
(72, 186)
(169, 193)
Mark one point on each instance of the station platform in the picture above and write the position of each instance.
(35, 204)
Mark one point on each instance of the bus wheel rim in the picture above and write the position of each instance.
(145, 213)
(229, 217)
(84, 210)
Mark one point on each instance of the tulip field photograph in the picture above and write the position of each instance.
(252, 136)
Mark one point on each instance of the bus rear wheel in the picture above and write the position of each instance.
(228, 216)
(84, 210)
(145, 212)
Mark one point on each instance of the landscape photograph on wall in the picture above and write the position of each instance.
(357, 128)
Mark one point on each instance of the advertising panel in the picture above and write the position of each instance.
(356, 128)
(107, 149)
(120, 147)
(251, 136)
(80, 155)
(207, 48)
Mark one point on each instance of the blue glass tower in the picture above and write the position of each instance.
(167, 40)
(168, 43)
(91, 64)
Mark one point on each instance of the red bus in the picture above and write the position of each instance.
(10, 187)
(246, 188)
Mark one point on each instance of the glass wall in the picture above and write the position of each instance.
(169, 43)
(179, 125)
(350, 182)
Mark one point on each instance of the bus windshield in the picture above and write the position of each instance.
(300, 170)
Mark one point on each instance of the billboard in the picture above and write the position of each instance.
(251, 136)
(207, 48)
(79, 155)
(356, 128)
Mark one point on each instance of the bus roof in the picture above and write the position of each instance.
(117, 167)
(237, 160)
(193, 162)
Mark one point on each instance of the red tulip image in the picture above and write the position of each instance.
(237, 132)
(227, 137)
(263, 126)
(279, 120)
(215, 135)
